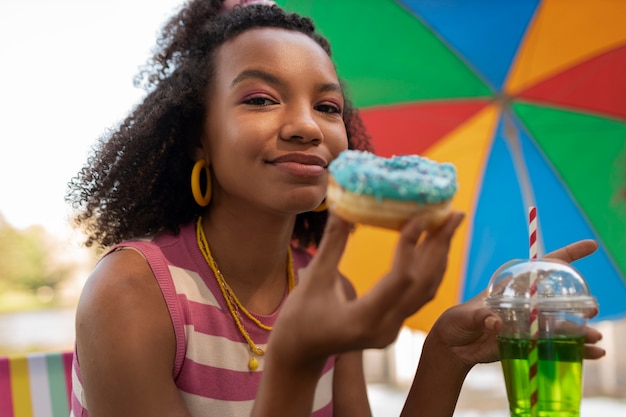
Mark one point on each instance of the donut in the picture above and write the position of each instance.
(386, 192)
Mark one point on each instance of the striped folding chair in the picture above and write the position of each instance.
(36, 385)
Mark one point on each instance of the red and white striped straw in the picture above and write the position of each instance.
(533, 354)
(532, 231)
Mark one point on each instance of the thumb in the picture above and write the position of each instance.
(491, 322)
(330, 250)
(483, 317)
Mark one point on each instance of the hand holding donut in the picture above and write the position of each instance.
(322, 318)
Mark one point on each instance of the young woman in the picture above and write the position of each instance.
(206, 198)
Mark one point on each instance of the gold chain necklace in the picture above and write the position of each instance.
(233, 303)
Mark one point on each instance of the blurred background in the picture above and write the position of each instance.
(67, 76)
(529, 114)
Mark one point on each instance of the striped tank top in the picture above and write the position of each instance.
(211, 364)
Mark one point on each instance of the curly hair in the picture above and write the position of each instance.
(135, 182)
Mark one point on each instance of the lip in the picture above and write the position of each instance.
(300, 164)
(300, 158)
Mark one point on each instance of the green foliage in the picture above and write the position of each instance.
(29, 260)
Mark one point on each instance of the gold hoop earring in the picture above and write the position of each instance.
(321, 207)
(203, 200)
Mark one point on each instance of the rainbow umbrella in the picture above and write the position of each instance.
(527, 98)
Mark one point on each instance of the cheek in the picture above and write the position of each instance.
(338, 140)
(239, 143)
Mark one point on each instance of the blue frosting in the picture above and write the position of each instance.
(406, 177)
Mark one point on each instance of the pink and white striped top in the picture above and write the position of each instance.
(211, 365)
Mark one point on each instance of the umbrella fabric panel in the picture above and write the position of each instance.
(414, 128)
(563, 34)
(389, 64)
(596, 86)
(501, 29)
(592, 170)
(499, 229)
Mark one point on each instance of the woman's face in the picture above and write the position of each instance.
(274, 121)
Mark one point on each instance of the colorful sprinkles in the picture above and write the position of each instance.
(406, 177)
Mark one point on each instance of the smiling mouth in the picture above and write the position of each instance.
(302, 159)
(301, 165)
(301, 170)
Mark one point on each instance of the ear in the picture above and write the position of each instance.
(200, 150)
(198, 153)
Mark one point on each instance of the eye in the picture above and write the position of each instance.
(328, 108)
(259, 101)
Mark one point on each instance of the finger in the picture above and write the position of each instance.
(446, 231)
(413, 230)
(409, 236)
(574, 251)
(410, 284)
(331, 247)
(592, 312)
(594, 352)
(592, 335)
(436, 244)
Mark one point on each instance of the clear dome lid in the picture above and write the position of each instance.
(559, 287)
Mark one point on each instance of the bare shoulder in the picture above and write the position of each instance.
(122, 283)
(125, 340)
(122, 311)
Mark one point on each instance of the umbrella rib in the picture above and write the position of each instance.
(569, 108)
(512, 138)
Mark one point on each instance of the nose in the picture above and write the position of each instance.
(300, 125)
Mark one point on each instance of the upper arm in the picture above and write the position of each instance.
(349, 385)
(125, 341)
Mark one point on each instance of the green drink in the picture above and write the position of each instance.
(559, 375)
(544, 306)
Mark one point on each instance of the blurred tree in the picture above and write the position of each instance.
(28, 259)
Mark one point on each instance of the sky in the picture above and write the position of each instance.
(66, 75)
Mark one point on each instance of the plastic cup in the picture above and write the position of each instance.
(561, 306)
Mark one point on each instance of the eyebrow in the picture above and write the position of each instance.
(255, 74)
(272, 79)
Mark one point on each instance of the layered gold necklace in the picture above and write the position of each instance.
(233, 303)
